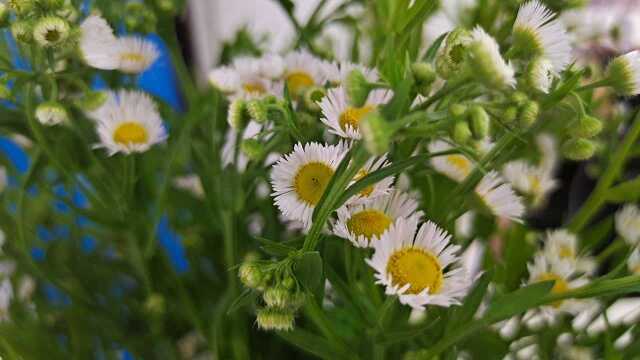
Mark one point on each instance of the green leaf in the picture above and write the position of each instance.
(505, 306)
(311, 343)
(309, 272)
(433, 49)
(416, 14)
(595, 234)
(406, 335)
(471, 303)
(626, 192)
(274, 248)
(247, 297)
(401, 100)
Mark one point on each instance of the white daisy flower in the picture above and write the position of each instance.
(548, 148)
(540, 74)
(633, 263)
(566, 278)
(344, 119)
(562, 246)
(337, 73)
(98, 43)
(420, 268)
(455, 166)
(487, 62)
(364, 224)
(303, 70)
(252, 81)
(381, 188)
(623, 73)
(529, 180)
(464, 225)
(51, 31)
(225, 79)
(300, 178)
(628, 224)
(537, 31)
(129, 122)
(135, 54)
(499, 197)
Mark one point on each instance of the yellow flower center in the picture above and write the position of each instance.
(352, 116)
(559, 286)
(298, 81)
(311, 181)
(536, 186)
(130, 133)
(255, 88)
(416, 267)
(566, 252)
(369, 223)
(460, 162)
(366, 192)
(132, 57)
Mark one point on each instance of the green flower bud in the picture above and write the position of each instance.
(251, 275)
(461, 133)
(451, 57)
(529, 114)
(457, 110)
(586, 127)
(518, 98)
(155, 304)
(51, 31)
(93, 100)
(623, 73)
(258, 111)
(22, 31)
(275, 319)
(539, 74)
(376, 133)
(312, 97)
(69, 13)
(289, 282)
(51, 113)
(424, 73)
(510, 114)
(480, 122)
(238, 115)
(578, 149)
(252, 148)
(277, 296)
(357, 88)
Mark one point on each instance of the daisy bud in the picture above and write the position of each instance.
(623, 74)
(510, 114)
(277, 296)
(450, 57)
(238, 115)
(529, 114)
(155, 304)
(93, 100)
(51, 31)
(312, 97)
(357, 88)
(250, 275)
(487, 62)
(480, 122)
(425, 75)
(539, 74)
(275, 319)
(518, 98)
(51, 113)
(457, 110)
(257, 110)
(578, 149)
(22, 31)
(461, 133)
(376, 133)
(586, 127)
(252, 148)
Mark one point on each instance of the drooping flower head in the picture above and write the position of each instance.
(455, 166)
(498, 196)
(420, 266)
(487, 62)
(623, 73)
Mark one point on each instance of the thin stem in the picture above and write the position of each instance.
(594, 85)
(448, 89)
(613, 248)
(599, 195)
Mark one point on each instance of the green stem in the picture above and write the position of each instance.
(613, 248)
(448, 89)
(599, 195)
(594, 85)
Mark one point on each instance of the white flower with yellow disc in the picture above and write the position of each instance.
(344, 119)
(532, 181)
(498, 196)
(372, 192)
(455, 166)
(129, 122)
(633, 264)
(97, 43)
(420, 266)
(364, 224)
(300, 178)
(135, 54)
(302, 71)
(337, 73)
(561, 245)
